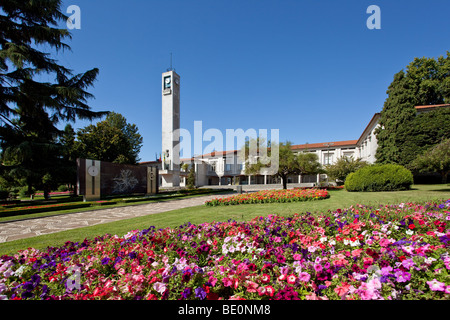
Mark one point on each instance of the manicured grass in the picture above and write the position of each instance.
(196, 215)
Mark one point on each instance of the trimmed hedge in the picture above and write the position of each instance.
(380, 177)
(43, 208)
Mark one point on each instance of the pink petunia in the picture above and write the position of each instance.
(304, 276)
(318, 267)
(343, 289)
(384, 242)
(436, 285)
(227, 282)
(251, 286)
(159, 287)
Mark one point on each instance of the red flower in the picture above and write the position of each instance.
(411, 226)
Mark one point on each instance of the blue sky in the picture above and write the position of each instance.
(311, 69)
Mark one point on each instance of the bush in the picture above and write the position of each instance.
(343, 167)
(24, 193)
(387, 177)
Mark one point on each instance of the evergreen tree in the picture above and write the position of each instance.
(425, 82)
(436, 159)
(29, 108)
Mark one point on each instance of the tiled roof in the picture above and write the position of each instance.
(432, 106)
(325, 144)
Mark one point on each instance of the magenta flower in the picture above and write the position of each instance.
(304, 276)
(436, 285)
(408, 263)
(318, 267)
(227, 282)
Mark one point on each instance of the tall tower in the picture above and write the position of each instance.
(170, 129)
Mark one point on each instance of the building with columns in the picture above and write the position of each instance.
(227, 167)
(212, 169)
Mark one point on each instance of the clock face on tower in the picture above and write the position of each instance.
(167, 82)
(93, 171)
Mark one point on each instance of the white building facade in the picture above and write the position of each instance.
(227, 167)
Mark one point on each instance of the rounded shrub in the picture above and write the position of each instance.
(380, 177)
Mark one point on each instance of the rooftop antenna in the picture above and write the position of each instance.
(171, 68)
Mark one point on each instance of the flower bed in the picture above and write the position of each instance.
(385, 252)
(271, 196)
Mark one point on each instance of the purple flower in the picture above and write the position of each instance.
(200, 293)
(105, 261)
(186, 293)
(402, 276)
(408, 263)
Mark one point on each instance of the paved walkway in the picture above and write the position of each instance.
(15, 230)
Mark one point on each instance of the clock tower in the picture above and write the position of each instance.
(170, 156)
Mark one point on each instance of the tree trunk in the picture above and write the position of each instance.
(284, 179)
(444, 176)
(46, 193)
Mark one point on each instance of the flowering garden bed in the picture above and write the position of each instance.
(271, 196)
(385, 252)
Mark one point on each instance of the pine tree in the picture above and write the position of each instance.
(30, 109)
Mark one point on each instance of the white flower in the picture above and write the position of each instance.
(355, 243)
(19, 271)
(224, 249)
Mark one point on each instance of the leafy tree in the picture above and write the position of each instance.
(426, 81)
(289, 163)
(343, 167)
(30, 108)
(436, 159)
(426, 130)
(112, 140)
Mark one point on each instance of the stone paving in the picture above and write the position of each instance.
(15, 230)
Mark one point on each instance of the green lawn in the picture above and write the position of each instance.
(338, 199)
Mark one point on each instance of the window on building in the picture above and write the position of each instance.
(328, 158)
(228, 167)
(212, 166)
